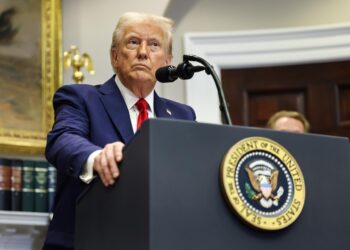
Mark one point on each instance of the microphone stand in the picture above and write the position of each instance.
(209, 70)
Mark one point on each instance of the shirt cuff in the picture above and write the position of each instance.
(88, 171)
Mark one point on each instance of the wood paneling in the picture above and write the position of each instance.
(343, 105)
(320, 91)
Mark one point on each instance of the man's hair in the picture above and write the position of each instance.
(130, 18)
(291, 114)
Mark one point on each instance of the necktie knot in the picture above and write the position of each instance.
(141, 105)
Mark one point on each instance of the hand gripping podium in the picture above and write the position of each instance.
(169, 196)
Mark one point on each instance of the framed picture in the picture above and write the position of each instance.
(30, 72)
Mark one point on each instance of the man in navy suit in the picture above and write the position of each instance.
(92, 123)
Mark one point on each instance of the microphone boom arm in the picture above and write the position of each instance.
(209, 70)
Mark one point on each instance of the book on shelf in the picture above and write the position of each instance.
(40, 190)
(16, 185)
(51, 186)
(5, 184)
(28, 185)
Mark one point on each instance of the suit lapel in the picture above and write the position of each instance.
(160, 107)
(116, 108)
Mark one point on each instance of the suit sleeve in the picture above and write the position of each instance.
(68, 145)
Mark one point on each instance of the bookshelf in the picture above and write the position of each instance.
(25, 186)
(24, 218)
(22, 230)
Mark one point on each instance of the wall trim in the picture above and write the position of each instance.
(256, 48)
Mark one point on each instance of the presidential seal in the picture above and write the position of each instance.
(263, 183)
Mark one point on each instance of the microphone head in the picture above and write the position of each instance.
(184, 70)
(166, 74)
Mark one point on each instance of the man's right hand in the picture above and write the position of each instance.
(106, 162)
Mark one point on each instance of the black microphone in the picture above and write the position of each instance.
(167, 74)
(184, 71)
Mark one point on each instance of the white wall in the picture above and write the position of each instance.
(89, 24)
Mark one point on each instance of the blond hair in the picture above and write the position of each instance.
(291, 114)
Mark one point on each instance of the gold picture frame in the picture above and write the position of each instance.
(28, 80)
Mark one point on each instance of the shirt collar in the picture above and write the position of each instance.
(130, 98)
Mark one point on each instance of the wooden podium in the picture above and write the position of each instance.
(169, 197)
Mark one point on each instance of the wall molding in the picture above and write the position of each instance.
(256, 48)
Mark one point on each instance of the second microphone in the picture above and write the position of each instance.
(184, 70)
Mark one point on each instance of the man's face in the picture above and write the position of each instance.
(139, 54)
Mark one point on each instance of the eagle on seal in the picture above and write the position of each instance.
(264, 185)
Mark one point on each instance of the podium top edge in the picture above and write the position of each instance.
(152, 121)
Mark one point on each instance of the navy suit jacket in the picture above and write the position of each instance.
(88, 117)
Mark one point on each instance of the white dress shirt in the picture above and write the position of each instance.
(131, 99)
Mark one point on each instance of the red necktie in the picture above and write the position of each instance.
(143, 115)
